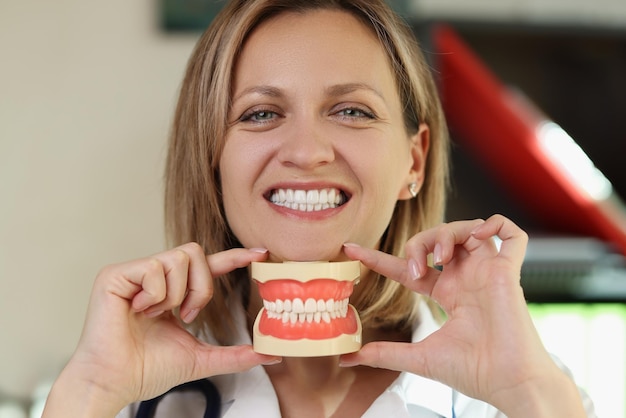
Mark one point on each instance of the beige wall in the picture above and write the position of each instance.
(87, 90)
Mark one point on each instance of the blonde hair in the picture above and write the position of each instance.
(193, 206)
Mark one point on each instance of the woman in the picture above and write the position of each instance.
(289, 98)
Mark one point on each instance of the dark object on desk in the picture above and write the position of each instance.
(573, 270)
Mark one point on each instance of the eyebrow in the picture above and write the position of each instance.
(333, 91)
(342, 89)
(260, 90)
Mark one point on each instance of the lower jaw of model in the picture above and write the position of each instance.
(305, 309)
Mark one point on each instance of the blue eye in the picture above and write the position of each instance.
(258, 116)
(262, 115)
(352, 112)
(356, 113)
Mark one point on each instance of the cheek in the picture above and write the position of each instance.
(237, 167)
(231, 178)
(387, 171)
(228, 178)
(402, 164)
(241, 165)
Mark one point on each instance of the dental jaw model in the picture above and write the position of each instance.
(305, 309)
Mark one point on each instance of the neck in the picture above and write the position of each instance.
(318, 387)
(315, 373)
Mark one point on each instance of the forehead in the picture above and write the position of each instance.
(325, 46)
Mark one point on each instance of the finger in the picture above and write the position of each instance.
(202, 270)
(189, 275)
(213, 360)
(142, 282)
(392, 267)
(389, 355)
(229, 260)
(441, 241)
(175, 265)
(199, 282)
(514, 239)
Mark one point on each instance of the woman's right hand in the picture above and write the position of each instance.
(133, 347)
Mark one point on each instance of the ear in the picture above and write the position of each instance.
(419, 151)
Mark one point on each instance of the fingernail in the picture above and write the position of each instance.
(351, 244)
(153, 314)
(414, 269)
(438, 259)
(345, 363)
(273, 361)
(191, 315)
(475, 230)
(258, 250)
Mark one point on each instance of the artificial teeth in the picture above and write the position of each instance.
(310, 310)
(297, 306)
(310, 306)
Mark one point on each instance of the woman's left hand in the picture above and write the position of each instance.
(488, 348)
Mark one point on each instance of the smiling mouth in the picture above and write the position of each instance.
(308, 200)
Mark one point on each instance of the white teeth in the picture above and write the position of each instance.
(307, 200)
(321, 305)
(310, 306)
(323, 196)
(311, 310)
(297, 306)
(299, 196)
(312, 197)
(332, 195)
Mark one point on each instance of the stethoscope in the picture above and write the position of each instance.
(204, 386)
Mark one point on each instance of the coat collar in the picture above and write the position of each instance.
(417, 392)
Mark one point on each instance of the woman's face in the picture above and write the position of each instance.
(316, 153)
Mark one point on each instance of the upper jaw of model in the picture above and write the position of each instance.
(308, 200)
(305, 308)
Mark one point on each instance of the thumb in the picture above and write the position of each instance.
(389, 355)
(215, 360)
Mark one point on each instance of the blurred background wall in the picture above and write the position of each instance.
(87, 89)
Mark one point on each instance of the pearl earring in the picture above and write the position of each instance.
(413, 189)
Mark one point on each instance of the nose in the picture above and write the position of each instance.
(306, 146)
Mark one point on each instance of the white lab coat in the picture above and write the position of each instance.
(251, 394)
